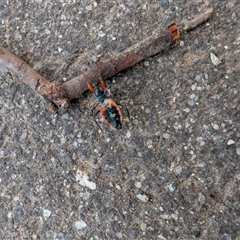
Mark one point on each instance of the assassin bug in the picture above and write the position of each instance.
(109, 110)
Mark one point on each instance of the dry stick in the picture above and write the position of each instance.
(51, 91)
(146, 48)
(198, 20)
(129, 57)
(59, 94)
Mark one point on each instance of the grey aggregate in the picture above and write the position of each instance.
(171, 172)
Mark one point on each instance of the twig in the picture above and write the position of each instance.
(198, 20)
(106, 69)
(59, 94)
(51, 91)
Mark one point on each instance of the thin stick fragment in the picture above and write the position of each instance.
(129, 57)
(51, 91)
(203, 17)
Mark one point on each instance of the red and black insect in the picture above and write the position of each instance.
(109, 110)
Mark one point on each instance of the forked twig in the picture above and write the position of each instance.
(59, 94)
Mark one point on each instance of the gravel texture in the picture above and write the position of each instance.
(172, 172)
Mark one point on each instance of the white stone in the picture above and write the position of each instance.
(238, 151)
(146, 63)
(137, 184)
(16, 199)
(88, 8)
(119, 235)
(101, 34)
(46, 213)
(192, 96)
(143, 227)
(178, 169)
(142, 197)
(215, 126)
(165, 216)
(82, 178)
(230, 142)
(215, 60)
(80, 224)
(171, 187)
(128, 135)
(166, 135)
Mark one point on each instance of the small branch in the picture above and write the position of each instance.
(51, 91)
(198, 20)
(59, 94)
(129, 57)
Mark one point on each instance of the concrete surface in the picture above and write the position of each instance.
(172, 172)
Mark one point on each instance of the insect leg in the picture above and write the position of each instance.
(95, 115)
(90, 87)
(102, 84)
(125, 109)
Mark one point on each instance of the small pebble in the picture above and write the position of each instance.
(149, 142)
(119, 235)
(174, 216)
(193, 87)
(198, 78)
(171, 188)
(88, 8)
(238, 151)
(237, 41)
(192, 96)
(137, 184)
(215, 60)
(142, 197)
(128, 135)
(146, 63)
(143, 227)
(47, 31)
(230, 142)
(135, 122)
(165, 216)
(147, 110)
(181, 43)
(166, 135)
(80, 224)
(178, 169)
(139, 154)
(46, 213)
(16, 198)
(101, 34)
(215, 126)
(191, 102)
